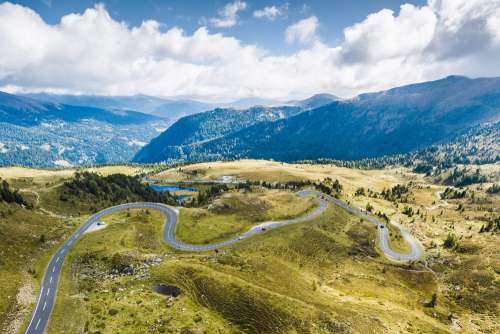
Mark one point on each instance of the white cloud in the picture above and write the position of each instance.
(384, 36)
(270, 12)
(228, 16)
(95, 54)
(303, 31)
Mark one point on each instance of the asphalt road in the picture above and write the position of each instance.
(46, 298)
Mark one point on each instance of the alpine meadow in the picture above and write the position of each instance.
(250, 166)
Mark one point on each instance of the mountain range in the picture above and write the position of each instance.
(167, 108)
(46, 134)
(394, 121)
(62, 130)
(47, 130)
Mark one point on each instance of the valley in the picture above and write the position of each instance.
(250, 167)
(326, 273)
(42, 134)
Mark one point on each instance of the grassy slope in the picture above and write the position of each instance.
(468, 281)
(309, 278)
(134, 236)
(23, 256)
(326, 267)
(235, 213)
(351, 179)
(396, 240)
(22, 250)
(51, 174)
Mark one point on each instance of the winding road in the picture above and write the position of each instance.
(46, 298)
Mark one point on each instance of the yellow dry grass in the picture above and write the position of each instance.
(277, 171)
(24, 172)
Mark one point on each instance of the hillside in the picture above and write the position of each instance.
(25, 111)
(477, 146)
(325, 275)
(36, 133)
(395, 121)
(196, 129)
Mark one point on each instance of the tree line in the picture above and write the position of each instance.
(11, 196)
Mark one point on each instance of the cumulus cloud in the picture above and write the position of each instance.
(270, 12)
(228, 16)
(303, 31)
(93, 53)
(384, 36)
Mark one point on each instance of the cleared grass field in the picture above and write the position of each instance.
(34, 173)
(256, 170)
(235, 212)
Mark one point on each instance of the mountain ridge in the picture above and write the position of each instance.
(398, 120)
(44, 134)
(161, 107)
(27, 111)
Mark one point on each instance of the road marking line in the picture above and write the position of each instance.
(50, 281)
(53, 269)
(57, 260)
(36, 307)
(48, 291)
(38, 322)
(44, 305)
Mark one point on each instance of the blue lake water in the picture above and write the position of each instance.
(172, 189)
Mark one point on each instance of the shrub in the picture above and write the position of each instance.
(369, 207)
(494, 189)
(112, 311)
(450, 241)
(432, 302)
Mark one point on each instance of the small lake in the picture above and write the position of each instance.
(170, 188)
(167, 290)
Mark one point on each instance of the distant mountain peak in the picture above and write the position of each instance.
(455, 77)
(393, 121)
(315, 101)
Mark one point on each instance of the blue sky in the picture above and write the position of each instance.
(334, 16)
(230, 49)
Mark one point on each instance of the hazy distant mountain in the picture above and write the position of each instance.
(22, 110)
(176, 109)
(37, 133)
(163, 107)
(394, 121)
(249, 102)
(315, 101)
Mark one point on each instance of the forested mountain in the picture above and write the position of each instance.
(395, 121)
(26, 111)
(199, 128)
(478, 145)
(36, 133)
